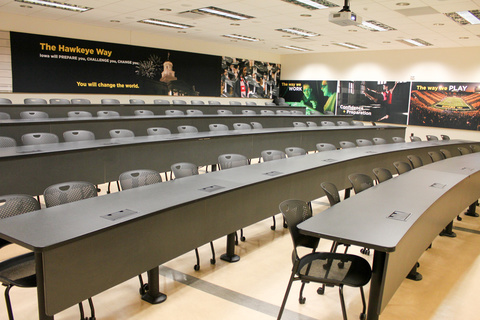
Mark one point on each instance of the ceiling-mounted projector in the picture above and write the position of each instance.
(345, 18)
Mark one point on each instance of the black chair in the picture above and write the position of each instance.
(382, 174)
(6, 142)
(401, 166)
(415, 161)
(331, 269)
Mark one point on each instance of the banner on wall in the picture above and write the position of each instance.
(318, 95)
(448, 105)
(378, 101)
(48, 64)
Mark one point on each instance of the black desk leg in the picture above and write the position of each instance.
(153, 294)
(230, 255)
(471, 210)
(376, 285)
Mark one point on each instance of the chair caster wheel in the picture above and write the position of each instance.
(365, 251)
(320, 290)
(213, 261)
(196, 267)
(363, 316)
(243, 239)
(285, 225)
(459, 218)
(272, 227)
(302, 300)
(236, 242)
(143, 289)
(341, 265)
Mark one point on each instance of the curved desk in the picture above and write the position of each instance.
(138, 229)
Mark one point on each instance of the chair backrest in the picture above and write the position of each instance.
(248, 112)
(294, 212)
(212, 102)
(271, 104)
(39, 138)
(325, 147)
(235, 103)
(377, 140)
(78, 135)
(445, 137)
(446, 153)
(415, 138)
(158, 131)
(138, 178)
(179, 102)
(431, 138)
(331, 192)
(80, 101)
(241, 126)
(4, 116)
(364, 142)
(136, 101)
(415, 161)
(329, 112)
(475, 148)
(267, 112)
(143, 113)
(435, 156)
(224, 112)
(5, 101)
(161, 101)
(34, 101)
(297, 112)
(360, 181)
(464, 150)
(231, 160)
(15, 204)
(358, 124)
(6, 142)
(197, 102)
(79, 114)
(184, 169)
(312, 124)
(67, 192)
(107, 114)
(282, 111)
(269, 155)
(398, 139)
(59, 101)
(174, 113)
(110, 101)
(256, 125)
(402, 166)
(382, 174)
(121, 133)
(250, 103)
(33, 115)
(347, 144)
(194, 112)
(327, 123)
(218, 127)
(187, 129)
(298, 124)
(343, 124)
(295, 151)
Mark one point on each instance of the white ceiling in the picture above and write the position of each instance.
(424, 19)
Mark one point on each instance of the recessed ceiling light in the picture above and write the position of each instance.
(239, 37)
(223, 13)
(163, 23)
(386, 42)
(25, 6)
(402, 4)
(298, 32)
(165, 9)
(349, 45)
(57, 5)
(313, 4)
(465, 17)
(115, 21)
(416, 42)
(463, 38)
(181, 31)
(305, 15)
(286, 36)
(352, 30)
(235, 24)
(296, 48)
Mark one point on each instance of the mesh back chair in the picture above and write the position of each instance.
(5, 101)
(161, 102)
(364, 142)
(327, 124)
(4, 116)
(298, 124)
(297, 112)
(282, 111)
(435, 156)
(360, 182)
(445, 137)
(80, 101)
(79, 114)
(475, 147)
(67, 192)
(358, 124)
(108, 114)
(398, 139)
(143, 113)
(415, 138)
(342, 123)
(379, 141)
(138, 178)
(187, 129)
(217, 127)
(179, 102)
(158, 131)
(193, 112)
(325, 147)
(110, 101)
(402, 167)
(347, 144)
(186, 169)
(197, 102)
(256, 125)
(6, 142)
(330, 113)
(250, 103)
(234, 103)
(312, 124)
(431, 138)
(328, 268)
(295, 151)
(59, 101)
(241, 126)
(78, 135)
(267, 112)
(464, 150)
(29, 139)
(224, 112)
(34, 101)
(136, 101)
(174, 113)
(446, 153)
(20, 270)
(415, 161)
(270, 155)
(33, 115)
(382, 174)
(248, 112)
(212, 103)
(121, 133)
(270, 104)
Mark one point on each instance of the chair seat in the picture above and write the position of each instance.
(335, 269)
(19, 271)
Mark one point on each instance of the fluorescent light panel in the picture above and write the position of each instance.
(416, 42)
(57, 5)
(299, 32)
(239, 37)
(163, 23)
(465, 17)
(313, 4)
(373, 25)
(295, 48)
(469, 16)
(223, 13)
(349, 45)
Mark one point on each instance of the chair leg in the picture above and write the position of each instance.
(197, 266)
(143, 286)
(342, 301)
(363, 315)
(92, 309)
(82, 314)
(241, 235)
(212, 261)
(289, 286)
(285, 223)
(274, 226)
(8, 302)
